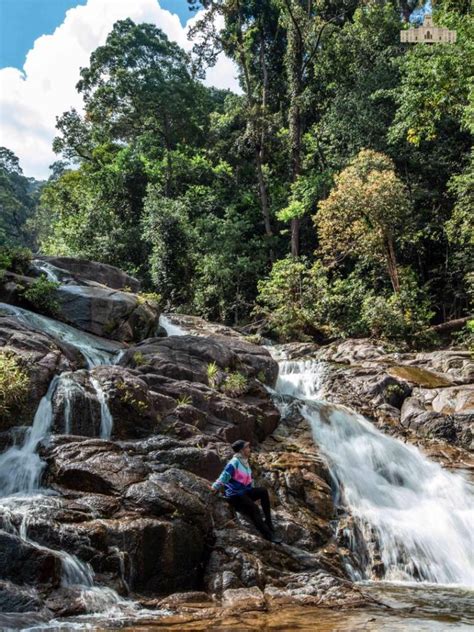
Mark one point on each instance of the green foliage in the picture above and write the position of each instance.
(402, 316)
(235, 384)
(152, 298)
(191, 188)
(138, 358)
(184, 400)
(41, 294)
(212, 374)
(465, 337)
(286, 299)
(366, 210)
(166, 225)
(130, 396)
(18, 199)
(14, 383)
(15, 259)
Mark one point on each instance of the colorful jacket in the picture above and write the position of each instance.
(236, 478)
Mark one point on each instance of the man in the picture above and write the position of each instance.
(236, 479)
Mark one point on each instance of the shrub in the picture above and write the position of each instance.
(235, 384)
(149, 297)
(465, 337)
(41, 295)
(138, 358)
(402, 316)
(212, 373)
(14, 382)
(15, 259)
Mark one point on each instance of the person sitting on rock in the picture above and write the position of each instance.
(236, 479)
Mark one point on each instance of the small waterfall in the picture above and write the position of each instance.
(170, 328)
(106, 421)
(416, 516)
(21, 466)
(94, 349)
(52, 272)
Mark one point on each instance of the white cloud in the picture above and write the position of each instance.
(30, 100)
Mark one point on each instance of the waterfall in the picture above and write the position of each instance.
(52, 272)
(416, 516)
(170, 328)
(94, 349)
(106, 421)
(21, 466)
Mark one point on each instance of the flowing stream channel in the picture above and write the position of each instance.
(411, 517)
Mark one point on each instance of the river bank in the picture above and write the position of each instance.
(105, 513)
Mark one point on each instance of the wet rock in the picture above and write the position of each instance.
(243, 599)
(25, 563)
(188, 357)
(16, 599)
(107, 312)
(419, 376)
(95, 466)
(164, 556)
(93, 271)
(66, 602)
(459, 399)
(178, 599)
(164, 494)
(42, 357)
(76, 409)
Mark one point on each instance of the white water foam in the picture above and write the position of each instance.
(420, 515)
(106, 421)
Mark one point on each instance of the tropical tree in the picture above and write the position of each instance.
(366, 211)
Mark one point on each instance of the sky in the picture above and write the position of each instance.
(44, 43)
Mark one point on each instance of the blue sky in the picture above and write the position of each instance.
(22, 21)
(45, 43)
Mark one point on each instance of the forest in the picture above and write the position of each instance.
(331, 198)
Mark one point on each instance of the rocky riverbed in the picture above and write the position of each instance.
(139, 423)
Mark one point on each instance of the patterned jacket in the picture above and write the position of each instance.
(236, 478)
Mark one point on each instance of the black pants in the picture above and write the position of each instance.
(245, 504)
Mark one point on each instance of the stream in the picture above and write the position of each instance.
(413, 521)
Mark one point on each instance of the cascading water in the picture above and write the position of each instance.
(21, 466)
(106, 421)
(170, 328)
(95, 350)
(419, 516)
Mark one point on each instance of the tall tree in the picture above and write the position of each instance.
(252, 38)
(366, 211)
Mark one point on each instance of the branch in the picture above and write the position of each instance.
(450, 325)
(316, 46)
(293, 19)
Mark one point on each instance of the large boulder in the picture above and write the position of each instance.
(93, 465)
(425, 398)
(84, 270)
(107, 312)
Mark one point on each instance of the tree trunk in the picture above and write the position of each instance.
(259, 150)
(451, 325)
(295, 62)
(392, 265)
(260, 153)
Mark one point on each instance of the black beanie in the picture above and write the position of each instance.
(238, 445)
